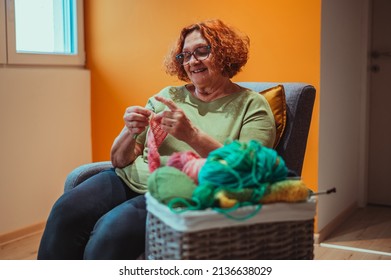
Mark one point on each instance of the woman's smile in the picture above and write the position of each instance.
(199, 70)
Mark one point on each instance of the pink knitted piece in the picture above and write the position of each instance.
(155, 137)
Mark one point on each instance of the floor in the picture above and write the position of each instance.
(366, 235)
(22, 249)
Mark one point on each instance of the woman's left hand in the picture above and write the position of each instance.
(175, 121)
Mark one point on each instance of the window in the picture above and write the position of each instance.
(45, 32)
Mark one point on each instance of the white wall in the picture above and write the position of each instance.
(45, 132)
(342, 105)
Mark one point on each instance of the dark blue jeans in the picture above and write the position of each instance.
(99, 219)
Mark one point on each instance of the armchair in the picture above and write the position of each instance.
(300, 99)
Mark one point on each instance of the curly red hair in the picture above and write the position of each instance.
(229, 48)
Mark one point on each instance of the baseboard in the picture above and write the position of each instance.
(20, 233)
(336, 222)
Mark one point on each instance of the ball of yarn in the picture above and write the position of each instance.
(242, 165)
(179, 159)
(168, 183)
(192, 168)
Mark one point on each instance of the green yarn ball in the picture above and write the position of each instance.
(167, 183)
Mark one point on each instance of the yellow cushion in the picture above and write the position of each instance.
(276, 98)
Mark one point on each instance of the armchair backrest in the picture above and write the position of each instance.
(300, 98)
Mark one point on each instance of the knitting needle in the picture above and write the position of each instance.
(332, 190)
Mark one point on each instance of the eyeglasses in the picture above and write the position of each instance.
(200, 53)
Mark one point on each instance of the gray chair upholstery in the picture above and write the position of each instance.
(300, 99)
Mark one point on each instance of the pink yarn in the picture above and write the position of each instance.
(156, 136)
(179, 159)
(192, 168)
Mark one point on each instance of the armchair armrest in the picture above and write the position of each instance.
(83, 172)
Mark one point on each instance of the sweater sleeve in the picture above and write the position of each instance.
(258, 123)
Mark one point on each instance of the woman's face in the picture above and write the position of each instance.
(200, 72)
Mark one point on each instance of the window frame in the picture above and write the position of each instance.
(16, 58)
(3, 38)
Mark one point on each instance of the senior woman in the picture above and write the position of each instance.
(104, 217)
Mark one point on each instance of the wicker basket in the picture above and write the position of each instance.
(228, 239)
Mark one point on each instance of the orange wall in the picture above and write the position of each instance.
(126, 41)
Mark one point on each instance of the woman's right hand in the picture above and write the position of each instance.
(136, 119)
(125, 149)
